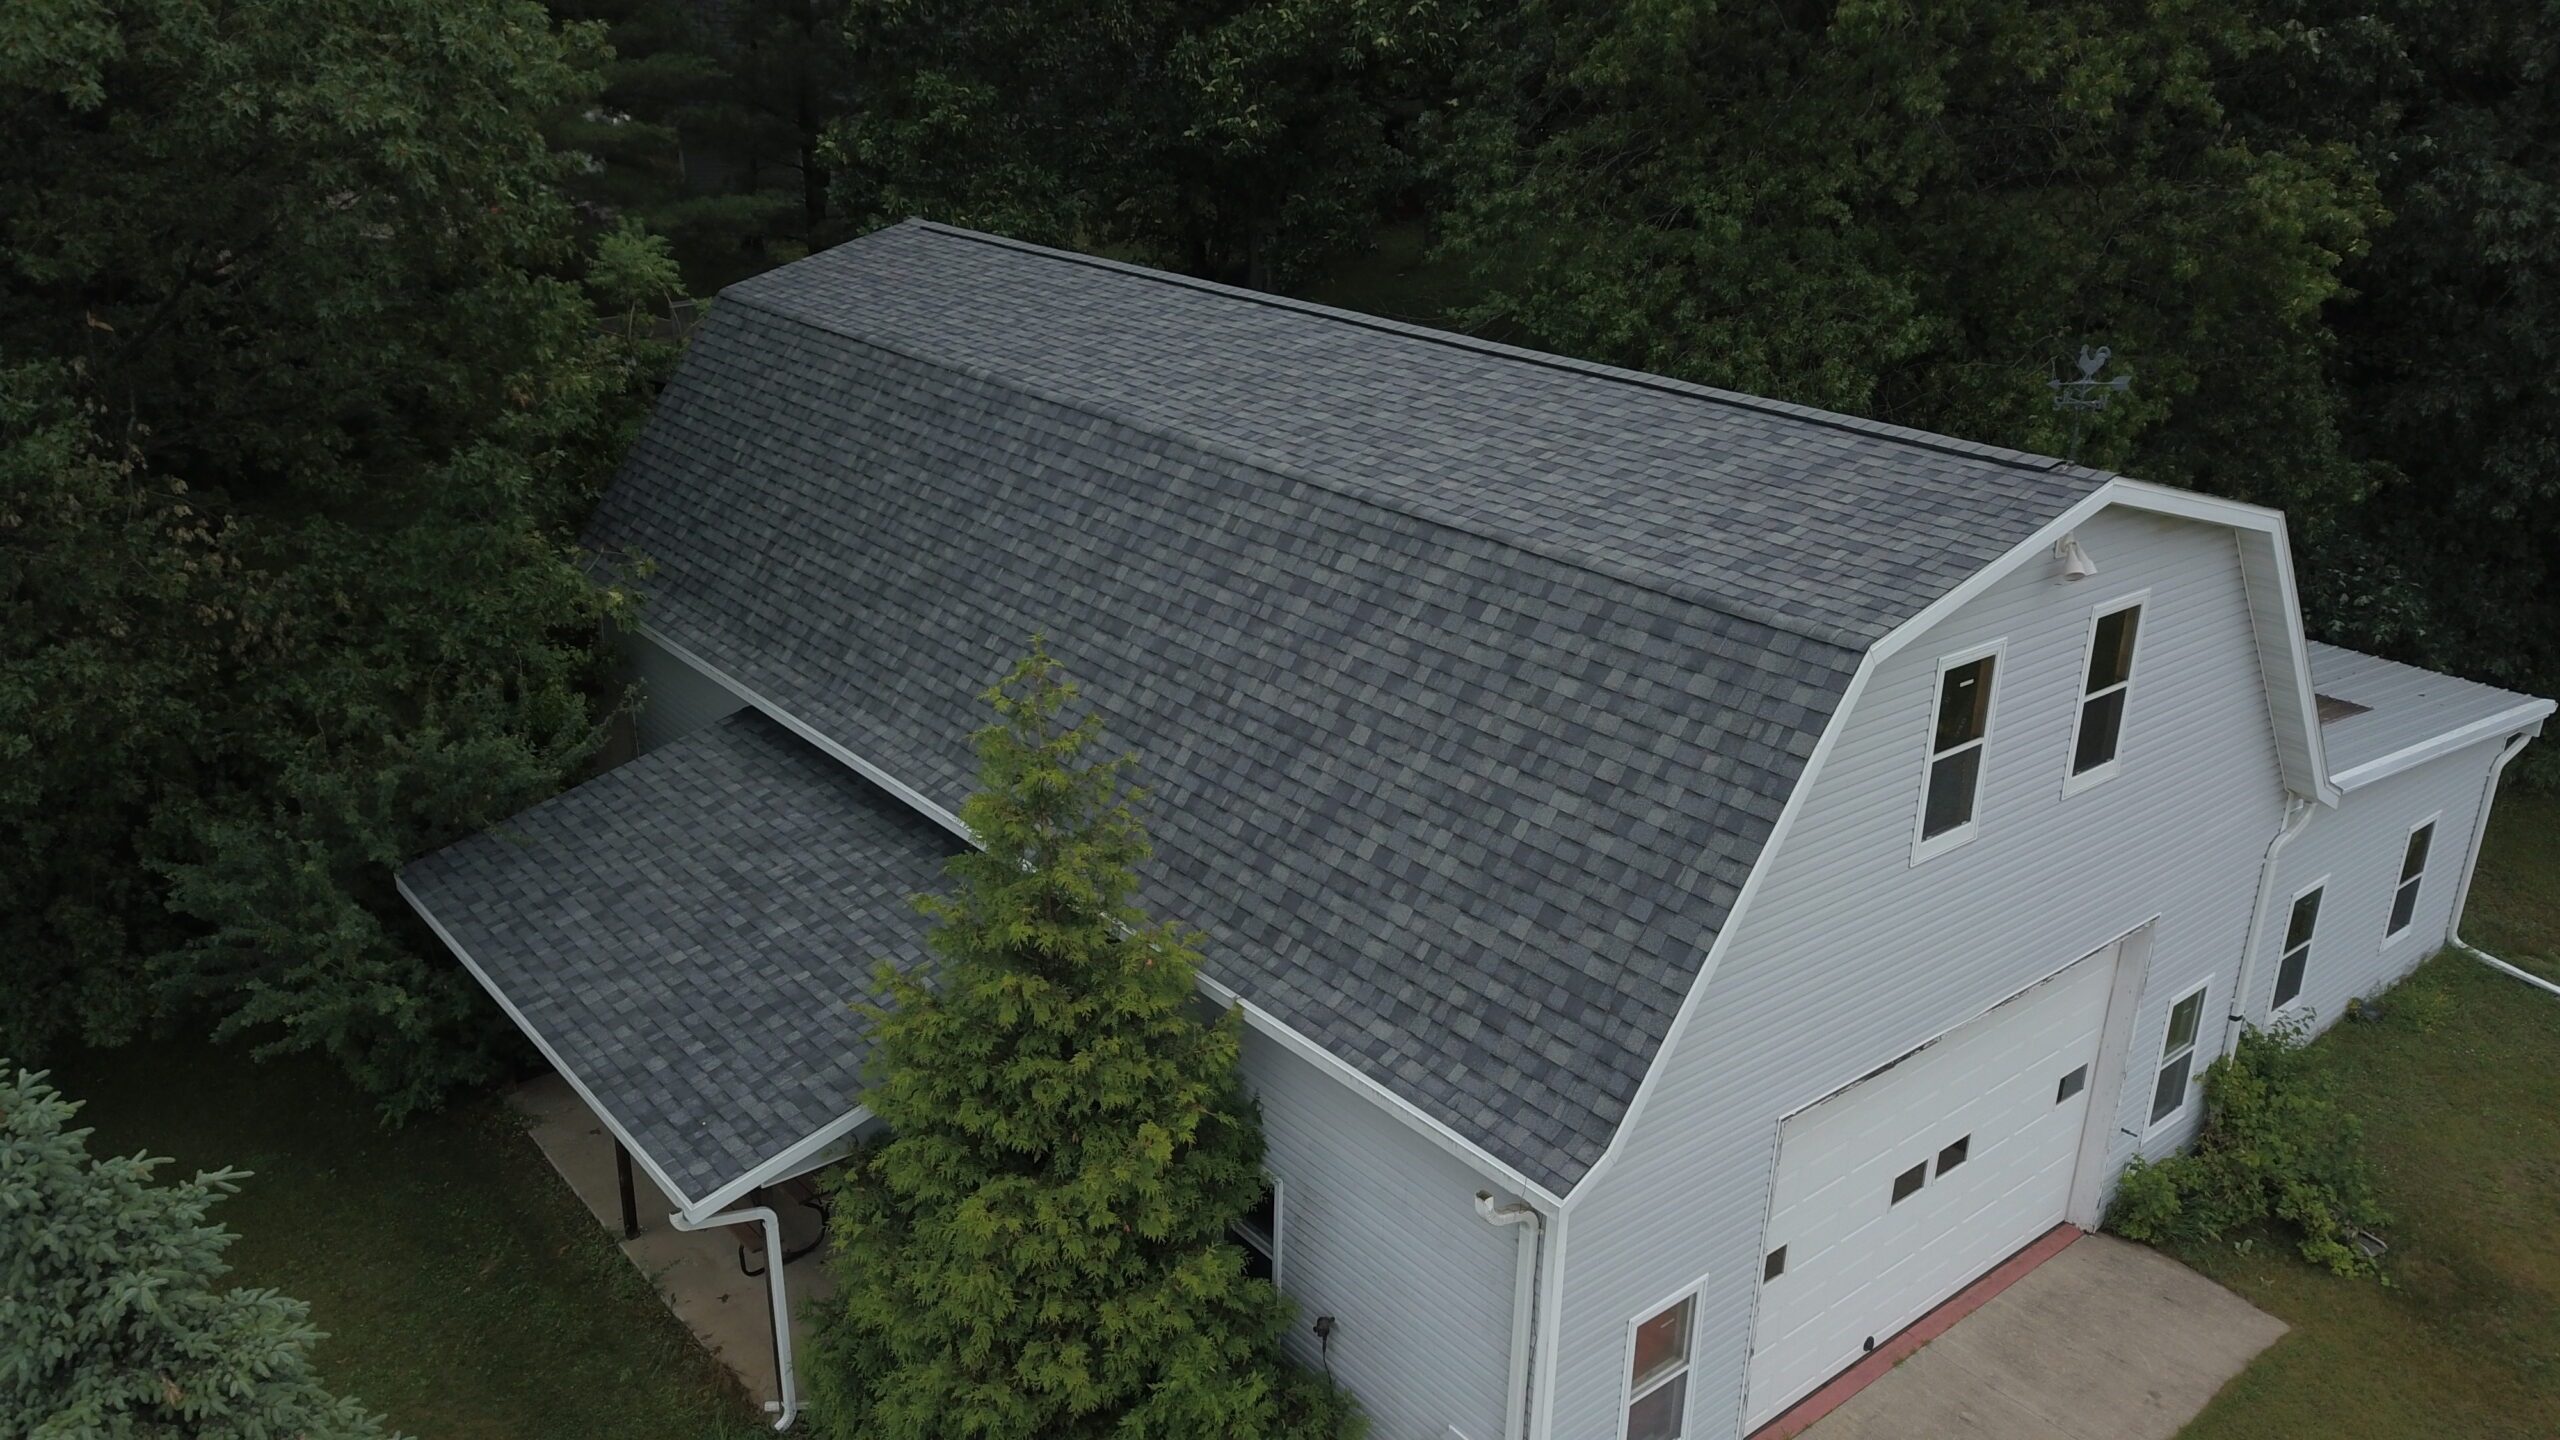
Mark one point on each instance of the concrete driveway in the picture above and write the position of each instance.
(2105, 1341)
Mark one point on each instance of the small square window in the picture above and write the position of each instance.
(1774, 1266)
(1908, 1183)
(2072, 1084)
(1953, 1155)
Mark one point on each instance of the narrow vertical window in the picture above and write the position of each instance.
(2177, 1057)
(2100, 727)
(1957, 736)
(2413, 868)
(2297, 944)
(1258, 1232)
(1658, 1374)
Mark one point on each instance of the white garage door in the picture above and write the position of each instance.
(1898, 1191)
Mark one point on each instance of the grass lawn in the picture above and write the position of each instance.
(466, 1292)
(2464, 1125)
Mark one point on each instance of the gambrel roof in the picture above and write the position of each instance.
(1468, 682)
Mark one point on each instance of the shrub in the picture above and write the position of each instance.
(2275, 1146)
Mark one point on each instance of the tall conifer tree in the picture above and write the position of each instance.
(111, 1322)
(1040, 1248)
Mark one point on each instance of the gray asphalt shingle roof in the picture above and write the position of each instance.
(1468, 682)
(686, 932)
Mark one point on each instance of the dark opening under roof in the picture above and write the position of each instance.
(684, 934)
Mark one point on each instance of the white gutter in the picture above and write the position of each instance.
(2439, 745)
(2297, 816)
(789, 1404)
(1524, 1289)
(2471, 866)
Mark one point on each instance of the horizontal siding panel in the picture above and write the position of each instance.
(1850, 955)
(675, 698)
(2357, 848)
(1379, 1230)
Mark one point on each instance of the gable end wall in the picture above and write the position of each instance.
(1849, 955)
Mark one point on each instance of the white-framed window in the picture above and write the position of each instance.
(1659, 1345)
(2106, 683)
(1959, 737)
(2298, 927)
(2413, 869)
(2178, 1056)
(1259, 1233)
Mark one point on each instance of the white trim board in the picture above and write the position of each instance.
(2529, 715)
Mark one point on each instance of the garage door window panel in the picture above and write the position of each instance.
(2106, 686)
(2299, 925)
(1959, 738)
(1658, 1348)
(2177, 1057)
(2413, 871)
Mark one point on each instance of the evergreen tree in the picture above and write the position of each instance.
(1039, 1251)
(110, 1322)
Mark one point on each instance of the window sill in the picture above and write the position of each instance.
(2090, 779)
(1924, 851)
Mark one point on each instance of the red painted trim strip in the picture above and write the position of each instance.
(1870, 1368)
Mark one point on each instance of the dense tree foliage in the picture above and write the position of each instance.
(1242, 140)
(709, 127)
(1040, 1250)
(303, 389)
(110, 1319)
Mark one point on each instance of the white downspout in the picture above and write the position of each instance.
(789, 1404)
(1524, 1288)
(2471, 865)
(2297, 814)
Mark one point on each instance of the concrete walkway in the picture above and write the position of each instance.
(2105, 1341)
(696, 1271)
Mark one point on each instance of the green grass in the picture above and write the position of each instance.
(2463, 1120)
(467, 1293)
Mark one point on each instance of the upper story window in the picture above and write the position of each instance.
(2099, 729)
(1959, 732)
(2413, 869)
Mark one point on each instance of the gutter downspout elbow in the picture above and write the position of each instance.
(789, 1404)
(1524, 1288)
(2470, 867)
(2297, 815)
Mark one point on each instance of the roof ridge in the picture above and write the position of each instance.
(1724, 605)
(1707, 394)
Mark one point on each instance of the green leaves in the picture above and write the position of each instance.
(307, 401)
(1039, 1247)
(110, 1322)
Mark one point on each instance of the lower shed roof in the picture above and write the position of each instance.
(684, 937)
(2394, 716)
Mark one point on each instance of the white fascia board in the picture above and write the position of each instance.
(801, 1158)
(657, 1174)
(915, 799)
(1431, 1128)
(2528, 716)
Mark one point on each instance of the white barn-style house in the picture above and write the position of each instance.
(1706, 879)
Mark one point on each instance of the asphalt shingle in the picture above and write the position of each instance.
(1468, 682)
(688, 932)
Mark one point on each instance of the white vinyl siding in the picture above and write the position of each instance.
(675, 698)
(2358, 849)
(1849, 956)
(1380, 1232)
